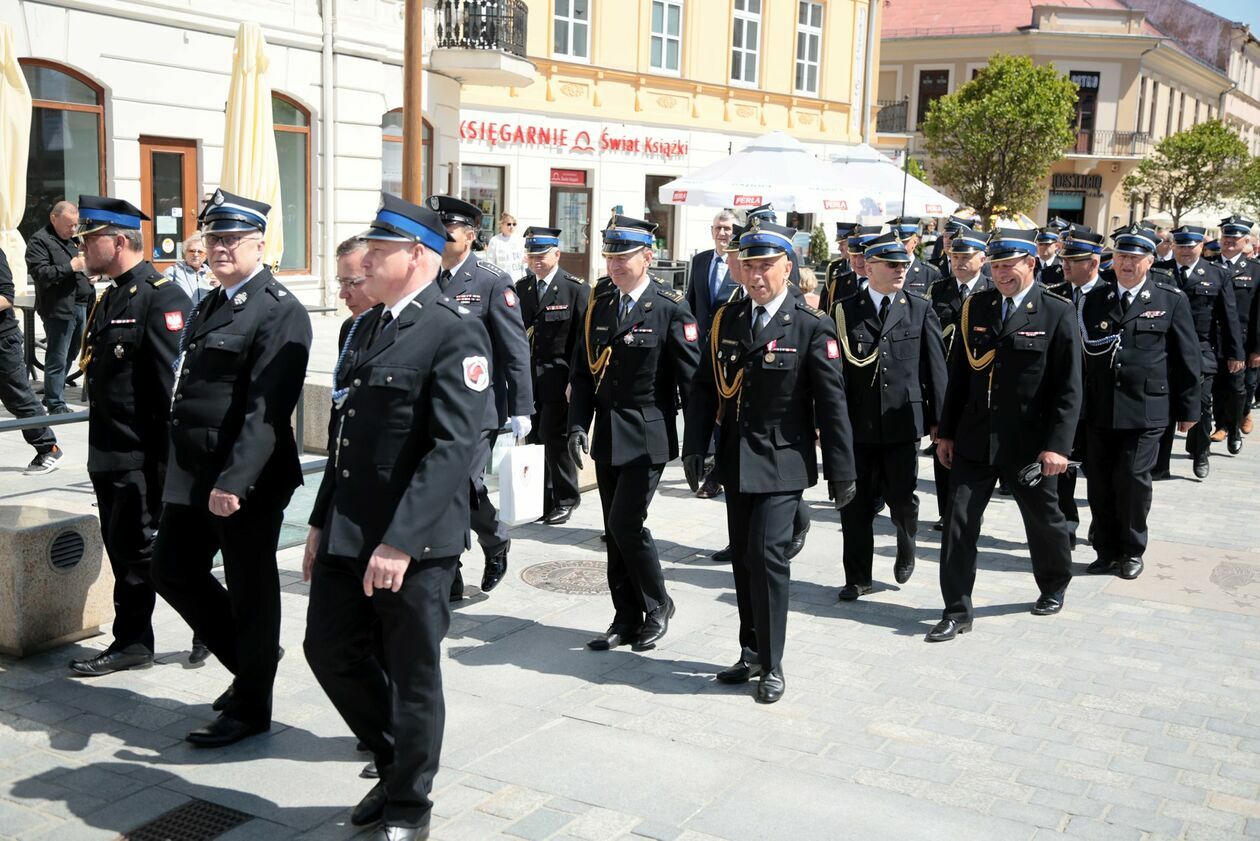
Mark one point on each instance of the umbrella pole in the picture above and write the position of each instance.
(905, 179)
(413, 104)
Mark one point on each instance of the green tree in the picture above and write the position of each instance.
(819, 248)
(1190, 169)
(993, 140)
(1247, 187)
(916, 169)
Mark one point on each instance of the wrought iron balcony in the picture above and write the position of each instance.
(892, 116)
(1111, 144)
(482, 25)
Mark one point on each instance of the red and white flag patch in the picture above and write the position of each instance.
(174, 321)
(833, 349)
(510, 297)
(476, 373)
(691, 332)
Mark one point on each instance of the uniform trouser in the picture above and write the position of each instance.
(1067, 482)
(940, 475)
(1250, 380)
(550, 428)
(16, 393)
(1199, 438)
(239, 623)
(970, 488)
(130, 503)
(634, 568)
(1120, 467)
(491, 534)
(800, 520)
(891, 471)
(760, 527)
(389, 692)
(1230, 398)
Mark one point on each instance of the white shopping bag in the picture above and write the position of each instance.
(521, 485)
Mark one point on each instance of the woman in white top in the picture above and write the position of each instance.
(506, 250)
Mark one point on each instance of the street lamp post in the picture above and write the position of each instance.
(413, 103)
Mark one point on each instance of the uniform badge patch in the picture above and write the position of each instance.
(833, 349)
(174, 321)
(510, 297)
(691, 332)
(476, 373)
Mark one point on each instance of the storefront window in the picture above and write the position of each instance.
(392, 153)
(660, 213)
(67, 136)
(293, 151)
(483, 186)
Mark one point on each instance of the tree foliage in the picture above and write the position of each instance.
(819, 247)
(1247, 188)
(1190, 169)
(916, 169)
(993, 140)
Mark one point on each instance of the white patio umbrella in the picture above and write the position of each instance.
(880, 185)
(775, 168)
(15, 139)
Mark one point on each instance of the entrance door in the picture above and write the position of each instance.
(169, 190)
(571, 212)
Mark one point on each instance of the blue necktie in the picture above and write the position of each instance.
(715, 282)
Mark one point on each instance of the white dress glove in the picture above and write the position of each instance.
(521, 426)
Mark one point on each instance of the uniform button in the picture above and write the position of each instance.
(192, 346)
(174, 421)
(350, 413)
(885, 385)
(345, 442)
(179, 396)
(389, 378)
(220, 343)
(345, 474)
(358, 381)
(883, 338)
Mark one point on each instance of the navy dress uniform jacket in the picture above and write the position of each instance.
(487, 292)
(920, 276)
(651, 358)
(841, 282)
(398, 460)
(781, 390)
(699, 298)
(1215, 312)
(1033, 401)
(1245, 277)
(1153, 379)
(898, 396)
(131, 340)
(242, 374)
(552, 326)
(948, 304)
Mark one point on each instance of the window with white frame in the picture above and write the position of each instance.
(745, 41)
(808, 45)
(572, 29)
(666, 35)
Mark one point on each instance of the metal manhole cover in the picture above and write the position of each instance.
(196, 820)
(581, 578)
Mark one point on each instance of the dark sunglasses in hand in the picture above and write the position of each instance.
(1031, 475)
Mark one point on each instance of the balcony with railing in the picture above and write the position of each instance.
(482, 42)
(892, 117)
(1111, 144)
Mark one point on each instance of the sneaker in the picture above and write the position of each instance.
(44, 462)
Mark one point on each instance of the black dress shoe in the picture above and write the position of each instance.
(199, 653)
(655, 626)
(558, 515)
(851, 592)
(1131, 568)
(496, 568)
(741, 672)
(220, 704)
(1160, 475)
(224, 731)
(1047, 606)
(1201, 467)
(797, 543)
(947, 629)
(402, 833)
(1102, 566)
(1235, 441)
(711, 488)
(770, 687)
(615, 635)
(107, 662)
(903, 568)
(722, 556)
(371, 808)
(939, 525)
(369, 771)
(457, 587)
(362, 747)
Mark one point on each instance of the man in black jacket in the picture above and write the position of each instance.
(1142, 365)
(16, 393)
(712, 283)
(130, 346)
(1011, 407)
(63, 293)
(233, 464)
(553, 305)
(391, 517)
(894, 377)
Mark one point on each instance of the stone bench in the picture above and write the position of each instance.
(54, 586)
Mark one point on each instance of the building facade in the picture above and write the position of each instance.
(1136, 85)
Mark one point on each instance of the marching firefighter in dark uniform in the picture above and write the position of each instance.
(553, 306)
(1233, 410)
(487, 291)
(965, 278)
(770, 376)
(233, 463)
(1011, 407)
(637, 353)
(391, 517)
(130, 343)
(843, 283)
(894, 376)
(765, 214)
(1215, 311)
(838, 268)
(1049, 268)
(919, 275)
(1142, 362)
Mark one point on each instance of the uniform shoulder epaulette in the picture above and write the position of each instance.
(1167, 287)
(493, 269)
(160, 280)
(914, 294)
(1049, 293)
(453, 305)
(579, 281)
(277, 291)
(671, 293)
(806, 308)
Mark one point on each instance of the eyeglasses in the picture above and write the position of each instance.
(231, 242)
(194, 251)
(350, 282)
(509, 224)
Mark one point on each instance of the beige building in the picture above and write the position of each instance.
(1136, 85)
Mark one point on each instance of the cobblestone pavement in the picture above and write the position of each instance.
(1132, 715)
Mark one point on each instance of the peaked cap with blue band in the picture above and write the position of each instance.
(228, 213)
(862, 234)
(1212, 249)
(967, 240)
(1050, 233)
(765, 239)
(1134, 240)
(1060, 223)
(887, 248)
(398, 220)
(541, 240)
(953, 223)
(1011, 244)
(845, 229)
(905, 226)
(1236, 226)
(625, 234)
(1189, 235)
(764, 212)
(452, 209)
(1080, 242)
(99, 212)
